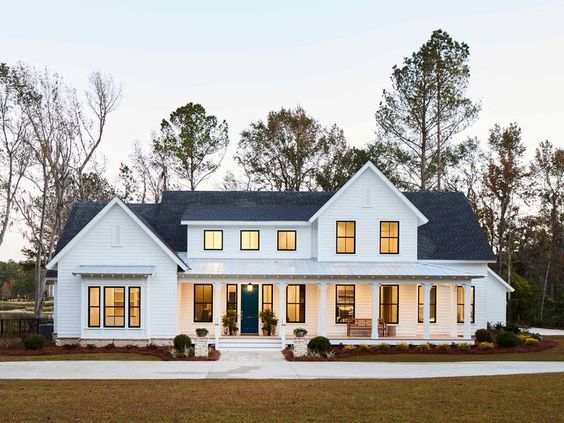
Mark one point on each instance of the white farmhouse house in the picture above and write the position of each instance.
(363, 265)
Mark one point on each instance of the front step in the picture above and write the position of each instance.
(250, 344)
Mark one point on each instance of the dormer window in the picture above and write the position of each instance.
(389, 237)
(213, 240)
(250, 240)
(346, 237)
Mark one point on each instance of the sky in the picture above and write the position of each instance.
(242, 59)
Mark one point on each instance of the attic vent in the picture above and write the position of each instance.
(116, 236)
(367, 197)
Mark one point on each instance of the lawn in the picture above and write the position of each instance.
(551, 354)
(500, 399)
(80, 357)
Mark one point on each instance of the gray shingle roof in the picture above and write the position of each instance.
(452, 233)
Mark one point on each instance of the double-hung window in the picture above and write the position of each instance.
(432, 304)
(345, 303)
(250, 240)
(203, 303)
(389, 303)
(93, 306)
(232, 297)
(389, 237)
(267, 296)
(460, 304)
(346, 237)
(114, 307)
(213, 240)
(286, 240)
(295, 303)
(134, 293)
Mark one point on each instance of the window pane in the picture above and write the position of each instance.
(350, 228)
(393, 228)
(291, 240)
(385, 229)
(134, 317)
(94, 296)
(393, 245)
(350, 245)
(267, 293)
(134, 297)
(341, 229)
(95, 316)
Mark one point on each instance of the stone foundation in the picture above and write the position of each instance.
(201, 347)
(120, 343)
(300, 347)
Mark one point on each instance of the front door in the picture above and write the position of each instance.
(249, 309)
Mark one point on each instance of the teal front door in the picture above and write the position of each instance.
(249, 309)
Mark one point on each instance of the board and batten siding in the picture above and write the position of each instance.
(137, 248)
(384, 205)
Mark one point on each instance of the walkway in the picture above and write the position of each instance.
(264, 366)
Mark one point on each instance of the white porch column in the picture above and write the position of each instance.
(375, 308)
(217, 311)
(282, 303)
(426, 310)
(323, 308)
(467, 310)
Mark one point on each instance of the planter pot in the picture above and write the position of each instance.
(300, 334)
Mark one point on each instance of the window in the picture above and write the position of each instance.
(213, 240)
(433, 304)
(114, 307)
(232, 297)
(203, 303)
(344, 303)
(389, 303)
(460, 304)
(93, 306)
(295, 304)
(267, 298)
(250, 240)
(389, 237)
(346, 237)
(134, 307)
(286, 240)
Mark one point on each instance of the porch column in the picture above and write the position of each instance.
(467, 310)
(323, 308)
(375, 308)
(217, 311)
(426, 310)
(282, 302)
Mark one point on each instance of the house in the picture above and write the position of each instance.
(363, 264)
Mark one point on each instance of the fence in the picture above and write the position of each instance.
(21, 326)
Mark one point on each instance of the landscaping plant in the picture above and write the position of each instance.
(201, 332)
(506, 339)
(300, 332)
(182, 341)
(319, 344)
(483, 335)
(484, 346)
(34, 342)
(402, 346)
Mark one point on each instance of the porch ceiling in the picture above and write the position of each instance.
(313, 268)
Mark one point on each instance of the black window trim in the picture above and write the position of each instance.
(241, 240)
(278, 240)
(205, 302)
(204, 240)
(129, 288)
(473, 289)
(300, 304)
(390, 237)
(420, 304)
(124, 306)
(227, 302)
(396, 322)
(346, 237)
(90, 325)
(337, 301)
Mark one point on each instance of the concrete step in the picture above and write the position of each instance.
(250, 344)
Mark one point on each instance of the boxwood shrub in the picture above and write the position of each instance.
(34, 342)
(483, 335)
(506, 339)
(182, 341)
(319, 344)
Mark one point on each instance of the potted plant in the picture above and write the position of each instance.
(201, 332)
(269, 322)
(229, 320)
(300, 332)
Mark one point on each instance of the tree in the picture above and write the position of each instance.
(193, 142)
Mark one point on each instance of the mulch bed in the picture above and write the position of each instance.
(17, 349)
(340, 352)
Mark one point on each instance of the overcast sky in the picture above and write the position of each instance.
(241, 59)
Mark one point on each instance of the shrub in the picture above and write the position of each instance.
(464, 347)
(536, 336)
(181, 341)
(201, 332)
(349, 348)
(402, 347)
(533, 342)
(423, 347)
(300, 332)
(319, 344)
(382, 347)
(506, 339)
(485, 346)
(364, 347)
(34, 342)
(330, 354)
(91, 346)
(442, 348)
(483, 335)
(512, 327)
(521, 338)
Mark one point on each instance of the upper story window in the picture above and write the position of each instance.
(346, 237)
(389, 237)
(286, 240)
(250, 240)
(213, 240)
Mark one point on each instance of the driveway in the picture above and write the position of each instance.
(264, 366)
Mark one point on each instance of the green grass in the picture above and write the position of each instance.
(484, 399)
(551, 354)
(80, 357)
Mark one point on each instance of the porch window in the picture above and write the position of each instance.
(213, 240)
(460, 304)
(345, 303)
(295, 304)
(432, 304)
(389, 237)
(346, 237)
(250, 240)
(267, 297)
(134, 307)
(93, 306)
(389, 303)
(114, 307)
(232, 297)
(203, 303)
(286, 240)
